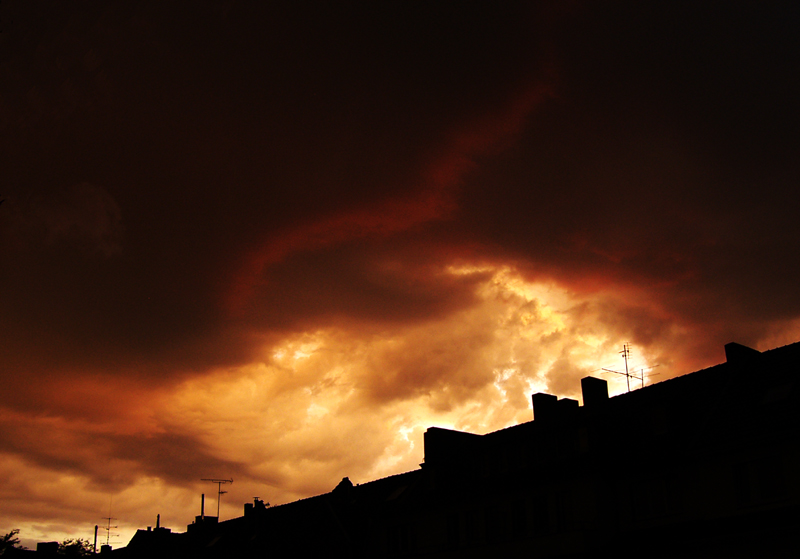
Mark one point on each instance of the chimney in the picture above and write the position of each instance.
(595, 391)
(567, 404)
(544, 406)
(738, 353)
(202, 506)
(448, 446)
(158, 521)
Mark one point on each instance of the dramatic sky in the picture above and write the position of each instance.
(276, 241)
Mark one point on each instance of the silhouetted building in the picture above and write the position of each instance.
(702, 465)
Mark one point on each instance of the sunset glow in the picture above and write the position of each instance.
(276, 244)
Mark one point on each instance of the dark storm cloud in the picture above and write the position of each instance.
(668, 159)
(212, 129)
(314, 222)
(111, 458)
(151, 150)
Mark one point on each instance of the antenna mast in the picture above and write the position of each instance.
(108, 527)
(219, 483)
(626, 354)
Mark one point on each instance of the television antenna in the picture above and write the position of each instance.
(626, 354)
(642, 373)
(220, 492)
(628, 374)
(108, 527)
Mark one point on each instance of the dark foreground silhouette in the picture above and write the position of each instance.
(698, 466)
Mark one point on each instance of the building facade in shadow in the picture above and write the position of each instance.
(703, 465)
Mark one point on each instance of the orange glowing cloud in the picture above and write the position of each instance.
(279, 251)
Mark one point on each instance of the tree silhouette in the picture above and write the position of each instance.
(9, 541)
(72, 547)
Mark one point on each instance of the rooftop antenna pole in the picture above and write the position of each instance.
(626, 355)
(642, 375)
(108, 527)
(626, 352)
(219, 483)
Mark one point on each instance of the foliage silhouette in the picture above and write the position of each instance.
(75, 547)
(9, 541)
